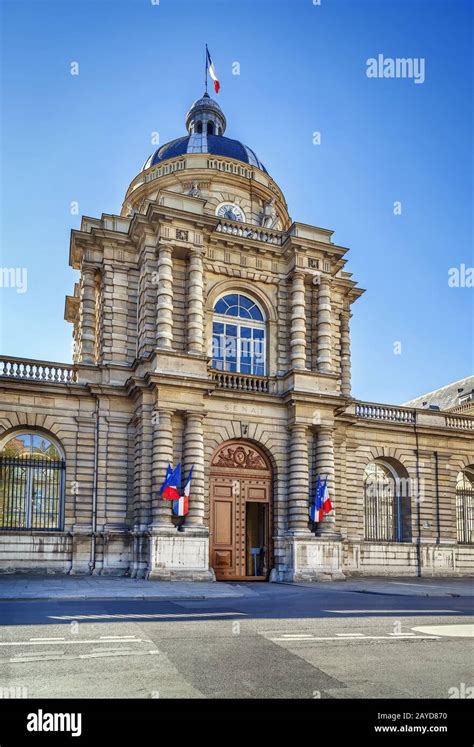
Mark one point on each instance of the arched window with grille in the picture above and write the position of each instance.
(32, 469)
(239, 335)
(386, 503)
(464, 505)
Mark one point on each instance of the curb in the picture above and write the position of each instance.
(141, 598)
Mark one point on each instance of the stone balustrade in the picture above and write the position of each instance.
(460, 421)
(240, 382)
(466, 407)
(33, 370)
(245, 231)
(424, 417)
(384, 412)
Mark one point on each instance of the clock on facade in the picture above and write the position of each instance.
(231, 211)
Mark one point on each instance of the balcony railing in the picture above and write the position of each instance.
(460, 421)
(404, 416)
(32, 370)
(384, 412)
(242, 230)
(465, 407)
(240, 382)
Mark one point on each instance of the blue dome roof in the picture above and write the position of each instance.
(216, 145)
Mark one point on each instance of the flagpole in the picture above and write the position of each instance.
(205, 78)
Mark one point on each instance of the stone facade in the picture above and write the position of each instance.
(142, 393)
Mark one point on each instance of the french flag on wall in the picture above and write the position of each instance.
(212, 71)
(181, 504)
(322, 502)
(171, 486)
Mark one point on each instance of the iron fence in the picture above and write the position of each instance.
(465, 515)
(31, 493)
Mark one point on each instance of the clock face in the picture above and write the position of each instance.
(231, 211)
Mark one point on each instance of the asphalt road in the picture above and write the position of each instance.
(278, 641)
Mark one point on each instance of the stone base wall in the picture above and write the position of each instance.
(401, 559)
(308, 558)
(177, 556)
(186, 556)
(35, 552)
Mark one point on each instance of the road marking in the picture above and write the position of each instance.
(362, 638)
(456, 631)
(392, 611)
(351, 635)
(117, 637)
(48, 639)
(82, 641)
(293, 636)
(151, 616)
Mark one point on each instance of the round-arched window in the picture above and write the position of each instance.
(239, 335)
(465, 505)
(31, 482)
(386, 504)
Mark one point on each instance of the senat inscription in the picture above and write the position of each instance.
(244, 409)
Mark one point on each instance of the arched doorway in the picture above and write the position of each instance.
(241, 512)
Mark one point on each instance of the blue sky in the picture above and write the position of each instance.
(83, 138)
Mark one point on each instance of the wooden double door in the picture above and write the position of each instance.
(240, 513)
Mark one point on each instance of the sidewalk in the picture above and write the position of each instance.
(18, 587)
(403, 586)
(24, 587)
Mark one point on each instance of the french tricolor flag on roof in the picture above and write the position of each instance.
(212, 71)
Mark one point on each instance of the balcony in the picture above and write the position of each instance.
(240, 382)
(247, 231)
(33, 370)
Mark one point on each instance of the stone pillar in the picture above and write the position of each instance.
(325, 468)
(298, 321)
(195, 303)
(193, 456)
(162, 455)
(324, 326)
(345, 354)
(298, 488)
(88, 311)
(165, 298)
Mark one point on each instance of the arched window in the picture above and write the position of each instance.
(386, 503)
(464, 505)
(238, 336)
(31, 482)
(210, 128)
(199, 128)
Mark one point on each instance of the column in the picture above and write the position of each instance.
(165, 298)
(88, 311)
(162, 455)
(325, 468)
(193, 456)
(195, 303)
(298, 321)
(298, 488)
(324, 326)
(345, 354)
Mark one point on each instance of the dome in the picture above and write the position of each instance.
(206, 124)
(216, 145)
